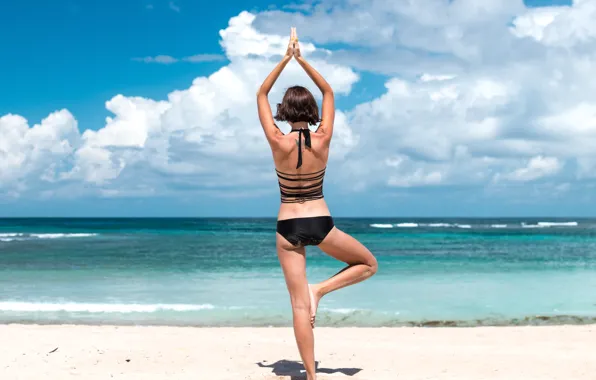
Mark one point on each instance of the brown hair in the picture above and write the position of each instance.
(298, 104)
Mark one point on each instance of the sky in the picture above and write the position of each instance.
(444, 108)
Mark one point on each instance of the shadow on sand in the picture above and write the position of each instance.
(295, 369)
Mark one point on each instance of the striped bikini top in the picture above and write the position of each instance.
(301, 187)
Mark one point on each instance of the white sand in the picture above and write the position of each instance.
(148, 353)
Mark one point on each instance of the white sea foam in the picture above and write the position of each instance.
(381, 225)
(407, 225)
(557, 224)
(549, 224)
(342, 310)
(11, 236)
(524, 225)
(463, 226)
(99, 307)
(60, 235)
(498, 226)
(439, 225)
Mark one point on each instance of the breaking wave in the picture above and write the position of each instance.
(20, 236)
(471, 226)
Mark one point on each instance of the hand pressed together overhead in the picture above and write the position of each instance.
(293, 46)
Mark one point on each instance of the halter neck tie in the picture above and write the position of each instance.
(306, 132)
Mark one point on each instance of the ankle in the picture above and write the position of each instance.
(318, 291)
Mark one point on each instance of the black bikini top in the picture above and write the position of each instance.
(310, 185)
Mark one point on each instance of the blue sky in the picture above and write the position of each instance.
(77, 55)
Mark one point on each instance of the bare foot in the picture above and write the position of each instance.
(314, 303)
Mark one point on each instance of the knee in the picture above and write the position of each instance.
(373, 265)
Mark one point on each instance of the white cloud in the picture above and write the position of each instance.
(29, 155)
(534, 22)
(408, 176)
(429, 77)
(398, 35)
(163, 59)
(204, 58)
(167, 60)
(537, 167)
(559, 26)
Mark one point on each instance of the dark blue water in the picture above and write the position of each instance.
(224, 272)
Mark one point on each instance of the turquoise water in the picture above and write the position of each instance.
(224, 272)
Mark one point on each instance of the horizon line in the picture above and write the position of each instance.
(274, 217)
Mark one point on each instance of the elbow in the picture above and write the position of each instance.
(328, 91)
(262, 92)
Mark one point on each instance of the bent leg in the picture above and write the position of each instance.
(293, 263)
(361, 262)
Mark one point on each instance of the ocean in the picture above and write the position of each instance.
(225, 272)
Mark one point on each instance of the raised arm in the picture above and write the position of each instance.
(328, 111)
(265, 114)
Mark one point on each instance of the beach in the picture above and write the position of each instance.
(57, 352)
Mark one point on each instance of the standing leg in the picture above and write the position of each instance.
(293, 263)
(361, 265)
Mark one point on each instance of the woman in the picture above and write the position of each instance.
(300, 160)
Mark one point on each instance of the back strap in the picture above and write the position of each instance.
(306, 132)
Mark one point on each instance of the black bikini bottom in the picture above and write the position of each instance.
(305, 231)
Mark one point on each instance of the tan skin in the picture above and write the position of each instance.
(361, 264)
